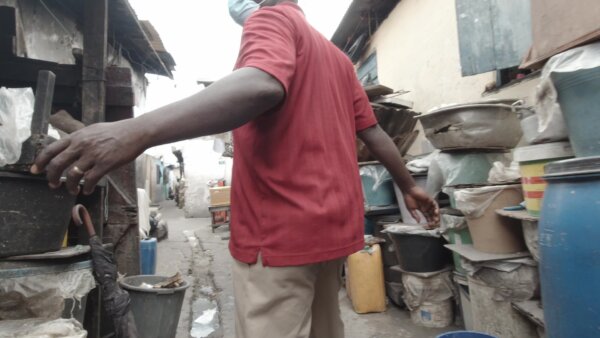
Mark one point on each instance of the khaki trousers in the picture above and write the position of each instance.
(288, 302)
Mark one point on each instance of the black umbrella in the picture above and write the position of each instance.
(115, 300)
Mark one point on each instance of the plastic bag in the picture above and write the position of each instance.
(412, 230)
(377, 173)
(473, 202)
(451, 222)
(16, 112)
(38, 328)
(501, 173)
(43, 295)
(454, 169)
(419, 290)
(551, 124)
(421, 165)
(520, 284)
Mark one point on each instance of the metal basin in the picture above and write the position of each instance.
(33, 217)
(473, 126)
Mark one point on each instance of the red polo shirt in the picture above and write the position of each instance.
(296, 193)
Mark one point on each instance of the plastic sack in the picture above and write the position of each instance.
(455, 169)
(501, 173)
(43, 295)
(40, 328)
(403, 229)
(473, 202)
(420, 290)
(551, 124)
(520, 284)
(16, 112)
(421, 165)
(451, 222)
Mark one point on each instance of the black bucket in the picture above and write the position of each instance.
(421, 254)
(33, 217)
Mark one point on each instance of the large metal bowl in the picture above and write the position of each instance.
(473, 126)
(33, 217)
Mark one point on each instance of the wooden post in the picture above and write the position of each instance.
(94, 61)
(122, 223)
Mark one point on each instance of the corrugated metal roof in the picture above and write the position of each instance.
(127, 32)
(361, 21)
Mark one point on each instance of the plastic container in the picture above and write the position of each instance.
(498, 318)
(579, 100)
(532, 160)
(377, 185)
(492, 233)
(155, 311)
(466, 334)
(148, 251)
(569, 234)
(418, 253)
(366, 281)
(421, 181)
(38, 219)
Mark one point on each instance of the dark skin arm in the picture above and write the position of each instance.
(100, 148)
(386, 152)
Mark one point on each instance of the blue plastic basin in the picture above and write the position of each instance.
(465, 334)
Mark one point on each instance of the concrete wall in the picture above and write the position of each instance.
(417, 50)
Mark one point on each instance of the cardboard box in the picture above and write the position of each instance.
(220, 196)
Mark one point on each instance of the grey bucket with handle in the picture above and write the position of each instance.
(156, 311)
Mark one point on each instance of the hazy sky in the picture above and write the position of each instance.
(204, 41)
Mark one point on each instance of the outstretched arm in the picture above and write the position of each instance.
(92, 152)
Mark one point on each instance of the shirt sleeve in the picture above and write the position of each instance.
(364, 117)
(269, 44)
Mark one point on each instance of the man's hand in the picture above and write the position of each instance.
(417, 199)
(89, 154)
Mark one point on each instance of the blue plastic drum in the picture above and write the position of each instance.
(148, 248)
(570, 249)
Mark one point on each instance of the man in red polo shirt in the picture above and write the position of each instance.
(296, 108)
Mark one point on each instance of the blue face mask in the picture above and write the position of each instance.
(240, 10)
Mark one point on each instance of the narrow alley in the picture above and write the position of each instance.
(203, 257)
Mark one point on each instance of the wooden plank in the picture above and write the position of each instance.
(69, 252)
(532, 309)
(474, 255)
(93, 91)
(25, 72)
(521, 215)
(8, 31)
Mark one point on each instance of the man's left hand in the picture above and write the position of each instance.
(416, 199)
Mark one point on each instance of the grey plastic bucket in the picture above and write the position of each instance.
(465, 334)
(579, 98)
(156, 311)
